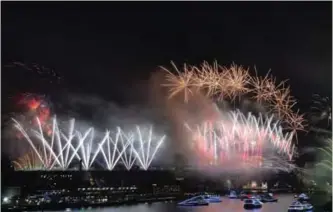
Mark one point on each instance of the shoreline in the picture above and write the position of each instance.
(79, 205)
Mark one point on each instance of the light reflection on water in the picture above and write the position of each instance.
(226, 205)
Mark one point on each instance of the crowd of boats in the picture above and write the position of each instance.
(250, 200)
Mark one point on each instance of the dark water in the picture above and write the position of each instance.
(226, 205)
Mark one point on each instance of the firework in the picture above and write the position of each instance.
(59, 150)
(34, 105)
(322, 108)
(240, 138)
(128, 157)
(295, 122)
(210, 80)
(264, 88)
(183, 82)
(235, 81)
(109, 148)
(282, 102)
(44, 73)
(29, 161)
(326, 162)
(146, 152)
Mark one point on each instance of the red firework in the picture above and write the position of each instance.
(36, 106)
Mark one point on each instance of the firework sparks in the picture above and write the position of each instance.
(59, 150)
(110, 149)
(35, 106)
(209, 79)
(240, 137)
(322, 108)
(237, 80)
(145, 153)
(264, 88)
(183, 82)
(282, 102)
(326, 162)
(128, 157)
(29, 161)
(43, 72)
(295, 122)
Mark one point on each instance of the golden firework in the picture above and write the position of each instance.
(210, 79)
(237, 79)
(183, 82)
(282, 102)
(295, 122)
(29, 161)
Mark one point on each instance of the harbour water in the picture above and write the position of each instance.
(227, 205)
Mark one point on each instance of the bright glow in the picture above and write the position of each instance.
(60, 150)
(5, 199)
(238, 138)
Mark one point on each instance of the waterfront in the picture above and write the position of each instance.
(226, 205)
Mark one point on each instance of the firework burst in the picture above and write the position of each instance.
(59, 150)
(210, 80)
(241, 138)
(29, 161)
(263, 89)
(326, 162)
(181, 83)
(144, 153)
(322, 108)
(237, 79)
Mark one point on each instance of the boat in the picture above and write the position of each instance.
(246, 195)
(268, 198)
(194, 201)
(212, 198)
(252, 203)
(233, 195)
(303, 197)
(297, 206)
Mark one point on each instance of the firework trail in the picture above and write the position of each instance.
(326, 163)
(28, 162)
(322, 108)
(59, 150)
(241, 138)
(34, 105)
(237, 79)
(128, 157)
(179, 83)
(43, 72)
(145, 153)
(111, 151)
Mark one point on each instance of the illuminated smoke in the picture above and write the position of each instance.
(242, 139)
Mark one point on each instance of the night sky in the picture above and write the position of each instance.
(110, 49)
(107, 48)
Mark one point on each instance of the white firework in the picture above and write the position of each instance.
(59, 150)
(239, 135)
(145, 152)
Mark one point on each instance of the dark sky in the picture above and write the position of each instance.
(105, 47)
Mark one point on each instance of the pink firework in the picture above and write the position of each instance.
(241, 139)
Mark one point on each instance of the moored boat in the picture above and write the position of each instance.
(194, 201)
(212, 198)
(233, 195)
(252, 204)
(268, 198)
(299, 206)
(303, 197)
